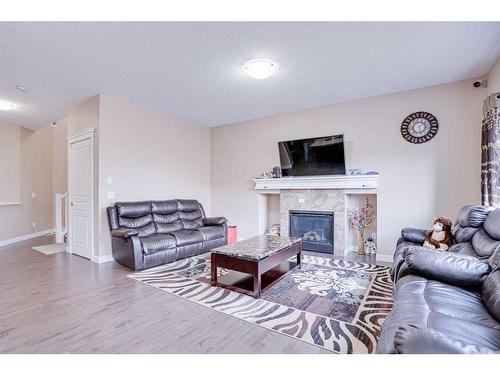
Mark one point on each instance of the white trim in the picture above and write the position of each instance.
(26, 237)
(80, 136)
(102, 259)
(367, 182)
(10, 203)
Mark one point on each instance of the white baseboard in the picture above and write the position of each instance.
(384, 258)
(380, 257)
(26, 237)
(102, 259)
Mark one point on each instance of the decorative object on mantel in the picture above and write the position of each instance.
(370, 245)
(274, 230)
(372, 173)
(419, 127)
(360, 218)
(354, 172)
(276, 173)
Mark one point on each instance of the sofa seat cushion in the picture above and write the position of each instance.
(156, 242)
(453, 311)
(185, 237)
(211, 233)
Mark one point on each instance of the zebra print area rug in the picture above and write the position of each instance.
(331, 303)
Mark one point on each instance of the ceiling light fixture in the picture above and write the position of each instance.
(22, 88)
(260, 68)
(6, 106)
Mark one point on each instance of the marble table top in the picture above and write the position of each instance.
(256, 248)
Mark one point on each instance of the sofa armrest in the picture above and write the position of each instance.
(124, 233)
(414, 235)
(413, 340)
(451, 268)
(211, 221)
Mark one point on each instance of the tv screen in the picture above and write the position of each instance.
(312, 156)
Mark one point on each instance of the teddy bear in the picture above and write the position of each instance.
(440, 236)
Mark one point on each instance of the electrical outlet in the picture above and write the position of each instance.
(110, 195)
(109, 180)
(33, 195)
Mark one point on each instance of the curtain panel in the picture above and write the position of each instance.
(490, 151)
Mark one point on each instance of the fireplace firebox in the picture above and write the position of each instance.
(315, 228)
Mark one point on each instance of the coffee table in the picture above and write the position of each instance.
(255, 256)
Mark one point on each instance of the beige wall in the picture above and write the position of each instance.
(148, 156)
(83, 116)
(42, 171)
(10, 164)
(60, 157)
(417, 183)
(494, 78)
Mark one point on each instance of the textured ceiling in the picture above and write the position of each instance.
(193, 71)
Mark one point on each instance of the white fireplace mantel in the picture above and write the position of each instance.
(318, 193)
(318, 182)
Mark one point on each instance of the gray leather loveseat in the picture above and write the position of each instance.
(150, 233)
(447, 302)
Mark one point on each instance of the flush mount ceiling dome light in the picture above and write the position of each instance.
(6, 106)
(260, 68)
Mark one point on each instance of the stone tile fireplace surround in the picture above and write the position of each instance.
(318, 193)
(315, 200)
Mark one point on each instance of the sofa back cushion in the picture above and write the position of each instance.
(491, 224)
(472, 215)
(461, 234)
(166, 216)
(136, 215)
(161, 217)
(486, 241)
(477, 231)
(190, 213)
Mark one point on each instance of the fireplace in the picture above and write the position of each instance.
(314, 227)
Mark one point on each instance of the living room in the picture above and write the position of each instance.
(250, 187)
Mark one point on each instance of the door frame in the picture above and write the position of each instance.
(89, 133)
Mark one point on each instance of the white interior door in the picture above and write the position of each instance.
(80, 197)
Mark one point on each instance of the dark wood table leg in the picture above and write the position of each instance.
(299, 255)
(213, 269)
(256, 284)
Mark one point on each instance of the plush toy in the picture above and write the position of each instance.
(440, 236)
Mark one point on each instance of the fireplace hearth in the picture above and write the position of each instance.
(315, 228)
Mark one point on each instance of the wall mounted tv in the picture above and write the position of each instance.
(312, 156)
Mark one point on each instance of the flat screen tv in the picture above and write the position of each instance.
(312, 156)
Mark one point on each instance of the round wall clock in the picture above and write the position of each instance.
(419, 127)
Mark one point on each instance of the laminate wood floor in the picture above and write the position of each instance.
(66, 304)
(62, 303)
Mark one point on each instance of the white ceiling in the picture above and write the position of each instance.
(193, 71)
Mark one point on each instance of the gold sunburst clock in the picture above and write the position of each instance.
(419, 127)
